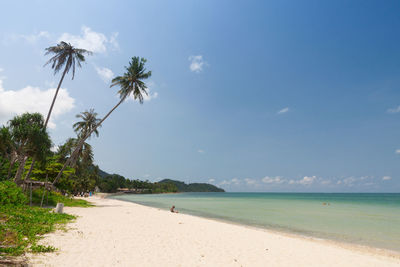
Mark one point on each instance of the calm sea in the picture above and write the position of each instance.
(367, 219)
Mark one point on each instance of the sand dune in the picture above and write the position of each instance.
(117, 233)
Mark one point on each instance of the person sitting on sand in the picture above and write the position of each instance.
(173, 209)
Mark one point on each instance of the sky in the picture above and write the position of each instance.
(254, 96)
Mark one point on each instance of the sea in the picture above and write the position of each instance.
(369, 219)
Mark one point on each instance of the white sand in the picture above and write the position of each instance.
(117, 233)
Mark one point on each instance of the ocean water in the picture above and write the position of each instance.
(365, 218)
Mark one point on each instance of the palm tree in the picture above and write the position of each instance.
(131, 83)
(65, 56)
(88, 122)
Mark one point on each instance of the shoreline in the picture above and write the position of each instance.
(327, 241)
(122, 233)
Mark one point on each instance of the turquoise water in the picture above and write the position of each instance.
(367, 219)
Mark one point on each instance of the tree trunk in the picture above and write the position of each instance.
(20, 171)
(48, 118)
(30, 195)
(74, 155)
(54, 98)
(12, 162)
(44, 191)
(30, 170)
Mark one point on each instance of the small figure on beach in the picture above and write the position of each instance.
(173, 209)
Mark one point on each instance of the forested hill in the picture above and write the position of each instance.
(194, 187)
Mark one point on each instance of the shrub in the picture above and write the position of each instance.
(40, 248)
(11, 194)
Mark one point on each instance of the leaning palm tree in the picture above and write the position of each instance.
(131, 83)
(65, 56)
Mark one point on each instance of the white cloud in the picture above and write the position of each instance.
(29, 38)
(250, 181)
(33, 38)
(33, 99)
(90, 40)
(54, 148)
(113, 41)
(282, 111)
(306, 180)
(273, 180)
(196, 63)
(105, 74)
(386, 178)
(397, 151)
(212, 180)
(149, 95)
(201, 151)
(233, 181)
(326, 182)
(394, 110)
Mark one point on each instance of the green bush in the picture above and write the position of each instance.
(22, 226)
(11, 194)
(54, 197)
(40, 248)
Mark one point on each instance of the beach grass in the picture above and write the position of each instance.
(22, 226)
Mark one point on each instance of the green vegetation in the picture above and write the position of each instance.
(11, 194)
(41, 249)
(194, 187)
(110, 184)
(21, 226)
(54, 197)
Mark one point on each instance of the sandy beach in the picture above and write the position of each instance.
(118, 233)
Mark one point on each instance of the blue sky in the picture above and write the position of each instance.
(249, 95)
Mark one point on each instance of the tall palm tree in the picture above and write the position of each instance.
(131, 83)
(65, 56)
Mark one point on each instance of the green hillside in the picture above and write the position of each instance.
(194, 187)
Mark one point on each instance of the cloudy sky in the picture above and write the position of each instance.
(248, 95)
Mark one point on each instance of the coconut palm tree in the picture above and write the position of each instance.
(88, 122)
(65, 56)
(131, 83)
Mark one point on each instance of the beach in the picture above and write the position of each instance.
(118, 233)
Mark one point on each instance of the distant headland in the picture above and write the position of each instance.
(112, 183)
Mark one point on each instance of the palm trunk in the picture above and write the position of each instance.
(48, 118)
(74, 155)
(54, 98)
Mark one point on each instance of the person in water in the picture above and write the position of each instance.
(173, 209)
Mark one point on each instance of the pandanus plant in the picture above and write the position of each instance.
(131, 83)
